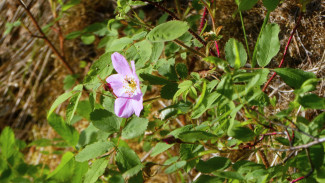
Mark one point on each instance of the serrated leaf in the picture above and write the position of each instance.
(213, 164)
(101, 68)
(67, 132)
(126, 159)
(245, 5)
(134, 128)
(140, 52)
(154, 80)
(71, 108)
(94, 150)
(225, 87)
(105, 120)
(270, 4)
(160, 147)
(207, 102)
(268, 45)
(96, 170)
(192, 136)
(175, 167)
(235, 53)
(312, 101)
(120, 44)
(294, 77)
(157, 49)
(168, 91)
(181, 70)
(7, 142)
(168, 31)
(133, 171)
(139, 35)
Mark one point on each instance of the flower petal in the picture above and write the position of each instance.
(116, 82)
(123, 107)
(120, 64)
(137, 105)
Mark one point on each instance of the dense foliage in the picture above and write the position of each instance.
(220, 120)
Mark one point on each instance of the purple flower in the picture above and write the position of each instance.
(126, 87)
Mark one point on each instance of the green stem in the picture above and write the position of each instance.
(243, 26)
(266, 19)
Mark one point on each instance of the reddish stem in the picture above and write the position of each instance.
(202, 20)
(217, 47)
(285, 52)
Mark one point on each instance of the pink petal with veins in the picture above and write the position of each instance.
(120, 64)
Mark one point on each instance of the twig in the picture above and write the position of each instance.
(43, 36)
(285, 52)
(317, 141)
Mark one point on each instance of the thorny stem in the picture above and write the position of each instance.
(43, 36)
(285, 52)
(202, 20)
(311, 166)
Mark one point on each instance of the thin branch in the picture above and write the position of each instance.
(317, 141)
(285, 52)
(43, 36)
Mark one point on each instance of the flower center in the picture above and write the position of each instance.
(130, 85)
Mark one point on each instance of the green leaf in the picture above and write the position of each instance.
(206, 104)
(120, 44)
(69, 81)
(235, 53)
(269, 44)
(154, 80)
(294, 77)
(157, 49)
(192, 136)
(133, 171)
(168, 91)
(94, 150)
(229, 175)
(126, 159)
(71, 108)
(79, 171)
(67, 132)
(73, 35)
(88, 135)
(201, 97)
(181, 70)
(270, 4)
(160, 147)
(7, 142)
(41, 142)
(213, 164)
(134, 128)
(168, 31)
(225, 87)
(105, 120)
(139, 35)
(88, 39)
(96, 170)
(241, 133)
(175, 167)
(66, 161)
(317, 155)
(140, 52)
(245, 5)
(84, 108)
(59, 101)
(312, 101)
